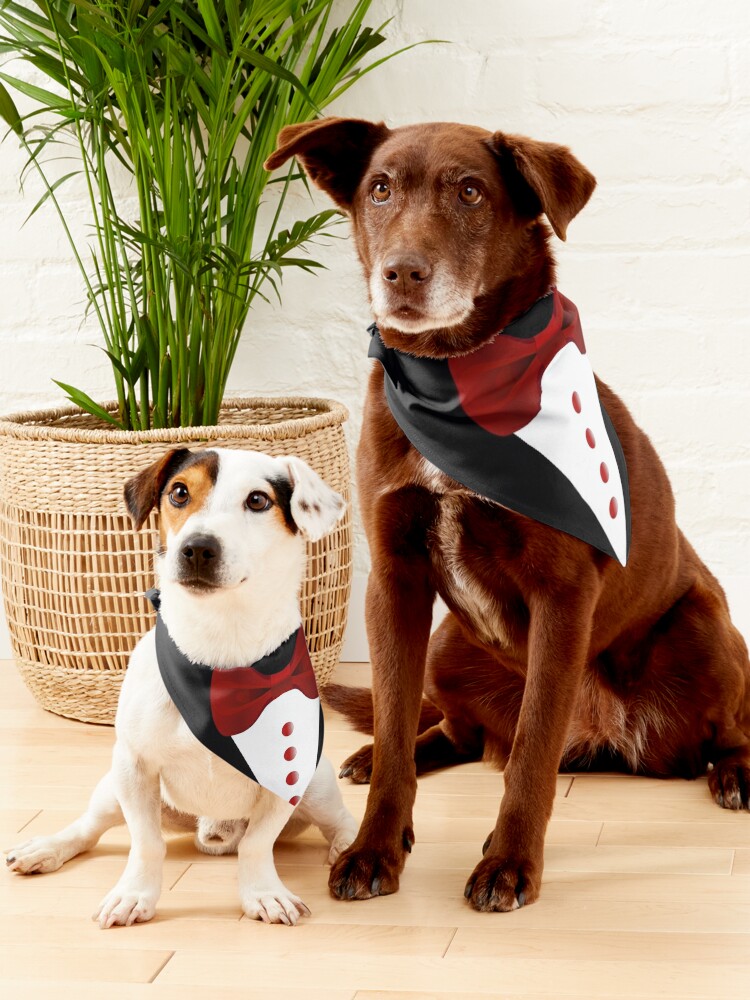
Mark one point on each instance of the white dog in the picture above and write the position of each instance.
(230, 564)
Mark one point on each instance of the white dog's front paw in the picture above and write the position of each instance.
(39, 855)
(126, 905)
(273, 906)
(343, 838)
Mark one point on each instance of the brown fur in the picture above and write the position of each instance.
(552, 654)
(281, 493)
(151, 488)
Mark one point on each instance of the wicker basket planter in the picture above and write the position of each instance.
(74, 571)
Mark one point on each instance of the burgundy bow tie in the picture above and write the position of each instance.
(239, 696)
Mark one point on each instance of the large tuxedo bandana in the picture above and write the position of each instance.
(519, 421)
(264, 719)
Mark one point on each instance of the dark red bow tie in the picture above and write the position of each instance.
(239, 696)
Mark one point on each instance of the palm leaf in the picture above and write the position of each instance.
(188, 96)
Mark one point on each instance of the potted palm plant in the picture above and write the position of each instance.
(185, 98)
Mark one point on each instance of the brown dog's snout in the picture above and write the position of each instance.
(406, 270)
(200, 553)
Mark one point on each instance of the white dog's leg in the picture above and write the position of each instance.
(138, 790)
(262, 893)
(47, 854)
(323, 806)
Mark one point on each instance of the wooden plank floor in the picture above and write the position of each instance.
(646, 894)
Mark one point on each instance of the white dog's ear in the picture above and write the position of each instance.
(314, 506)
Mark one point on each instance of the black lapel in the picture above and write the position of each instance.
(502, 468)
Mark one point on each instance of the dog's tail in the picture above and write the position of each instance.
(355, 704)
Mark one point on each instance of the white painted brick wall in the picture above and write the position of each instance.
(653, 96)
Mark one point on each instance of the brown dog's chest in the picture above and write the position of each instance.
(473, 548)
(484, 559)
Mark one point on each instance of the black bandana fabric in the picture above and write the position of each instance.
(264, 719)
(519, 421)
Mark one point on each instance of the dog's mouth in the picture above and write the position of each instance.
(407, 312)
(197, 585)
(409, 319)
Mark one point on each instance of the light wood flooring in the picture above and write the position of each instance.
(646, 894)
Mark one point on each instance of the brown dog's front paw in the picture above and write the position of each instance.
(501, 884)
(361, 873)
(358, 767)
(729, 782)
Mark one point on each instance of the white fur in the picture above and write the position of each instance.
(157, 761)
(315, 506)
(445, 305)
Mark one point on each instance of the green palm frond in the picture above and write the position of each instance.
(188, 96)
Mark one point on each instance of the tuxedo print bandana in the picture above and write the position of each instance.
(264, 719)
(519, 421)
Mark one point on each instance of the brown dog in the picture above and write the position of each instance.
(552, 652)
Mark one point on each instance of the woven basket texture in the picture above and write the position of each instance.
(74, 571)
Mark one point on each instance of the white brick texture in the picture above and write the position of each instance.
(652, 95)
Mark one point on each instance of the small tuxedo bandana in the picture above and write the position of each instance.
(519, 421)
(264, 719)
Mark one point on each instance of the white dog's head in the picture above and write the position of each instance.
(232, 520)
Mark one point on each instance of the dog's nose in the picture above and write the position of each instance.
(410, 269)
(200, 550)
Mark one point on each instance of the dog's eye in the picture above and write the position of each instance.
(178, 495)
(470, 195)
(258, 501)
(380, 192)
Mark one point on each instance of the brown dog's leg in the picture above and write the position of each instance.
(399, 614)
(453, 666)
(510, 872)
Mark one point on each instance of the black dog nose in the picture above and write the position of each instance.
(410, 268)
(199, 550)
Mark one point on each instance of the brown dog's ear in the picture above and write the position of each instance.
(543, 177)
(334, 153)
(142, 492)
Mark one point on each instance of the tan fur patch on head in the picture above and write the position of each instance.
(198, 474)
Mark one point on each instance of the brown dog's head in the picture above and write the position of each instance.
(446, 220)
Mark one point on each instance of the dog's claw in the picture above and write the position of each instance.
(345, 772)
(502, 885)
(362, 874)
(408, 840)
